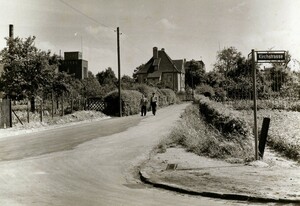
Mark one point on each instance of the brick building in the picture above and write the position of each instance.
(162, 69)
(74, 64)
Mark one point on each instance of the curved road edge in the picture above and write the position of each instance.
(227, 196)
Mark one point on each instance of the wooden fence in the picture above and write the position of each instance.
(96, 104)
(5, 113)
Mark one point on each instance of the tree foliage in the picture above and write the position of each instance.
(194, 73)
(27, 70)
(134, 75)
(107, 77)
(91, 87)
(227, 59)
(108, 80)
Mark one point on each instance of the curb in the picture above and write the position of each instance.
(146, 179)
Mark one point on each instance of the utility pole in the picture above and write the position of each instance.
(255, 104)
(119, 71)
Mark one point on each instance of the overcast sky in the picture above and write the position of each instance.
(190, 29)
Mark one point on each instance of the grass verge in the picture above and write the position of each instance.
(194, 134)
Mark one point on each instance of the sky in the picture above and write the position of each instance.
(186, 29)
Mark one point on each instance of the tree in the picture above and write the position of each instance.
(107, 80)
(127, 82)
(27, 70)
(107, 77)
(91, 87)
(194, 73)
(134, 75)
(215, 79)
(279, 74)
(227, 60)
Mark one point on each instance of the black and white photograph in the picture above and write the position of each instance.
(149, 102)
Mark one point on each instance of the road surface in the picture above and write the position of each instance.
(86, 164)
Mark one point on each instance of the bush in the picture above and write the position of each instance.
(145, 89)
(205, 90)
(170, 95)
(225, 120)
(130, 102)
(166, 97)
(220, 94)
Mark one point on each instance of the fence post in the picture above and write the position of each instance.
(254, 103)
(62, 104)
(263, 136)
(10, 114)
(52, 106)
(41, 110)
(28, 111)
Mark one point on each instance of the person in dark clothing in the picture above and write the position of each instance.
(143, 104)
(153, 103)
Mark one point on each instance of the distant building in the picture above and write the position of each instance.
(162, 69)
(74, 64)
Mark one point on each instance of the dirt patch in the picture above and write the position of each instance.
(272, 179)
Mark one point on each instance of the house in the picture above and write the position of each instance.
(161, 69)
(74, 64)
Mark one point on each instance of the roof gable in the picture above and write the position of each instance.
(166, 63)
(163, 64)
(179, 64)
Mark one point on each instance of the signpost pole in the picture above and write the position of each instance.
(254, 104)
(119, 72)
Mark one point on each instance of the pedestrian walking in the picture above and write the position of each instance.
(153, 102)
(143, 104)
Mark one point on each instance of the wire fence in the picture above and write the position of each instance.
(277, 88)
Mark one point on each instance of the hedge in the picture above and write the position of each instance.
(225, 120)
(130, 102)
(170, 96)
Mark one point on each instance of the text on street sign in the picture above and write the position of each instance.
(267, 56)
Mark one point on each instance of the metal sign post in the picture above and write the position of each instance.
(262, 57)
(255, 104)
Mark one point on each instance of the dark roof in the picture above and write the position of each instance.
(179, 64)
(164, 64)
(146, 67)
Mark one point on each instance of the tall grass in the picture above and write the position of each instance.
(203, 139)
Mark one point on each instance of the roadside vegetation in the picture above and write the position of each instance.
(221, 125)
(284, 130)
(202, 138)
(31, 80)
(217, 126)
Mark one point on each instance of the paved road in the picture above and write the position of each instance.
(89, 164)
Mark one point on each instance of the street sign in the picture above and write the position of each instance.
(270, 56)
(262, 57)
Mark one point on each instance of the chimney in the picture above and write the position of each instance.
(11, 31)
(155, 53)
